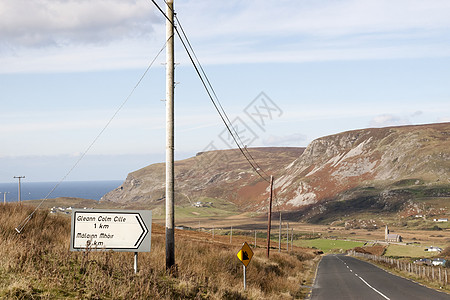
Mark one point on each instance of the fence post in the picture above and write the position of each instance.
(231, 235)
(292, 238)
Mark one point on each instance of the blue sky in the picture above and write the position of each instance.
(328, 66)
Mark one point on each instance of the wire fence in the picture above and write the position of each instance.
(437, 274)
(282, 240)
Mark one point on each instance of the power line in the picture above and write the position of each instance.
(210, 91)
(217, 98)
(28, 218)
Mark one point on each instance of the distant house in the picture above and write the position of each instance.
(423, 261)
(390, 237)
(202, 204)
(434, 249)
(441, 220)
(438, 262)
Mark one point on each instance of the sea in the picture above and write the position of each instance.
(39, 190)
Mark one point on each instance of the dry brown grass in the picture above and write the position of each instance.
(37, 264)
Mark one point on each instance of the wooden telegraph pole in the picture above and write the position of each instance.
(269, 217)
(170, 193)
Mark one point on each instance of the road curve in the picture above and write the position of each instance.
(344, 277)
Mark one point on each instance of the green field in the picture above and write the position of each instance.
(217, 208)
(327, 245)
(408, 251)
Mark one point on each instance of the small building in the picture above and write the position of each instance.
(423, 262)
(442, 220)
(438, 262)
(434, 249)
(391, 237)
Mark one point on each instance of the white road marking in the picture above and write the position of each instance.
(384, 296)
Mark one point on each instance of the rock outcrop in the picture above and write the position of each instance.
(370, 157)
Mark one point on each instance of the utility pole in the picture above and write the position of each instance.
(170, 183)
(4, 197)
(19, 198)
(269, 217)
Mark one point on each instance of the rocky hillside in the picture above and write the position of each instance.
(337, 167)
(377, 157)
(223, 174)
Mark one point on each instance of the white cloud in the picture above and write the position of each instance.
(388, 120)
(443, 119)
(417, 113)
(61, 23)
(76, 35)
(313, 18)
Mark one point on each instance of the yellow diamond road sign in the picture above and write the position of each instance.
(245, 254)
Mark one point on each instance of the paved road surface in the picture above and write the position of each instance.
(344, 277)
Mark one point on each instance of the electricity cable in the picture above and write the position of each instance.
(215, 95)
(222, 114)
(28, 218)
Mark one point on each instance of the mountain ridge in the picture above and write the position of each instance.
(332, 168)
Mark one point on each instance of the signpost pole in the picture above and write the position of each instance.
(245, 279)
(135, 262)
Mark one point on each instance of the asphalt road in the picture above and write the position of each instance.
(344, 277)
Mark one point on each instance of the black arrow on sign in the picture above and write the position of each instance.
(144, 233)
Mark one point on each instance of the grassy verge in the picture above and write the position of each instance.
(37, 264)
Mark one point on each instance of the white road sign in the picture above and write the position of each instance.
(118, 230)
